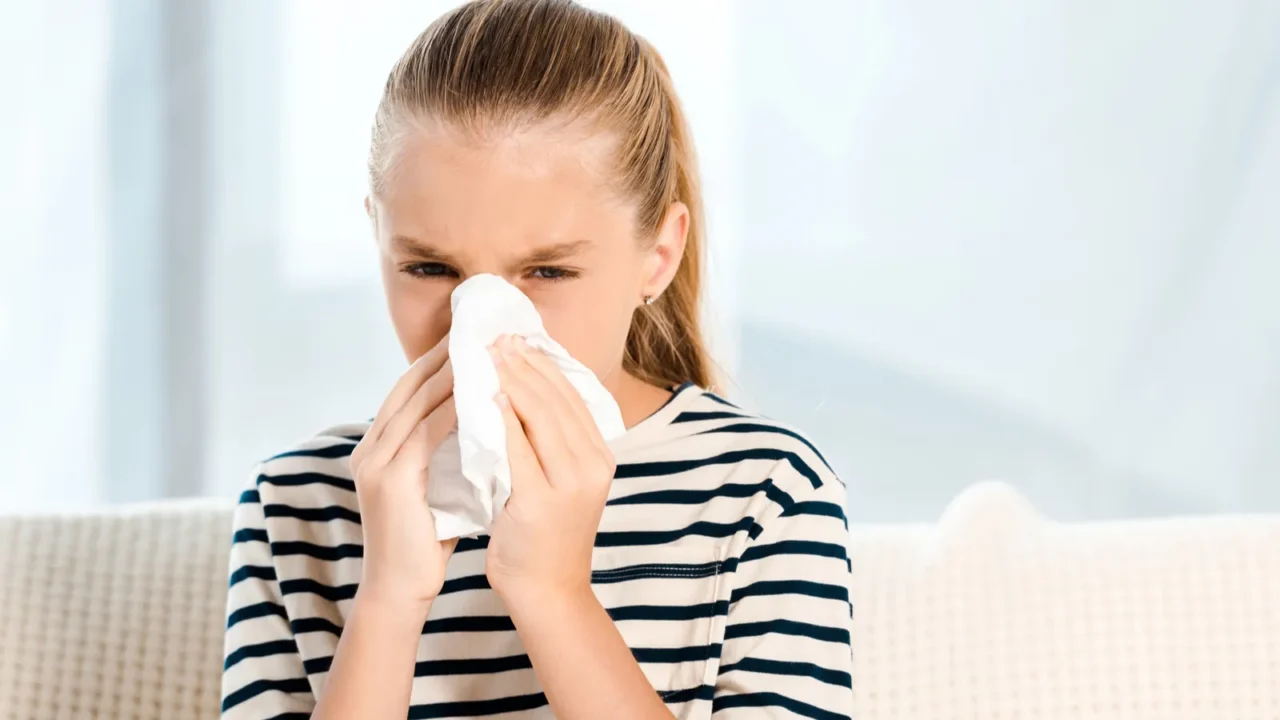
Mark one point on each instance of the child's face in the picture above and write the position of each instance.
(535, 207)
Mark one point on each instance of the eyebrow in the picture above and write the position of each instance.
(544, 255)
(420, 250)
(556, 252)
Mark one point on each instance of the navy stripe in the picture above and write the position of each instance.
(817, 508)
(471, 543)
(662, 537)
(266, 649)
(439, 668)
(462, 584)
(470, 623)
(244, 572)
(795, 547)
(698, 416)
(502, 623)
(321, 514)
(733, 457)
(258, 687)
(249, 535)
(768, 699)
(314, 624)
(346, 592)
(717, 398)
(796, 669)
(693, 653)
(471, 666)
(702, 692)
(702, 497)
(340, 450)
(787, 627)
(765, 588)
(249, 497)
(750, 427)
(675, 613)
(478, 708)
(331, 553)
(308, 478)
(249, 612)
(328, 592)
(756, 552)
(654, 570)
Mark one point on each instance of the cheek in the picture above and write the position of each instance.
(419, 311)
(591, 321)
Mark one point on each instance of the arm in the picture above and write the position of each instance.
(262, 673)
(539, 559)
(263, 677)
(586, 669)
(787, 650)
(372, 671)
(403, 567)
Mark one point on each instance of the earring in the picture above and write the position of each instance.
(648, 299)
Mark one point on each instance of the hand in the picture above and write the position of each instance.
(404, 563)
(561, 470)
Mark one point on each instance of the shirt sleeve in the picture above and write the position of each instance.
(787, 651)
(262, 676)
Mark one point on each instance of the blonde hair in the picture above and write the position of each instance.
(514, 63)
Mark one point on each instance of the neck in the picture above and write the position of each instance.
(636, 398)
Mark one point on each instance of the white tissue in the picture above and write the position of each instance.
(469, 476)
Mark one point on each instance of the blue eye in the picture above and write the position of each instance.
(429, 269)
(552, 274)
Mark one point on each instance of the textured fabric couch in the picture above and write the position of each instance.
(991, 613)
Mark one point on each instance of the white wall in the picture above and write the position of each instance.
(1031, 241)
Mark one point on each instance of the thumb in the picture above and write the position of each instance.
(525, 468)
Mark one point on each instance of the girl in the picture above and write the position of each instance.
(694, 568)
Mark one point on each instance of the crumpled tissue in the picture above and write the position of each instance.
(469, 477)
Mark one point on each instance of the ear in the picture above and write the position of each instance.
(371, 209)
(667, 251)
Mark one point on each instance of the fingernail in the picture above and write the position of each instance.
(520, 344)
(503, 401)
(495, 354)
(509, 345)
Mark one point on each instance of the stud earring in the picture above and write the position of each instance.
(648, 299)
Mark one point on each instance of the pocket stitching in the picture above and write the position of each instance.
(652, 570)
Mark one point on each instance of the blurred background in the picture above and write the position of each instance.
(1036, 242)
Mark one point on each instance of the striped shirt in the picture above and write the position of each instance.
(721, 556)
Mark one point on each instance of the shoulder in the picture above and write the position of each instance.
(715, 458)
(310, 481)
(722, 427)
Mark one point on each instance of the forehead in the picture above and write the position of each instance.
(511, 189)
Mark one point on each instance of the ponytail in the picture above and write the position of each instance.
(666, 346)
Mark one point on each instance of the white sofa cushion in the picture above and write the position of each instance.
(116, 614)
(997, 613)
(992, 613)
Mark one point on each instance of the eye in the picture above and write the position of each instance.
(552, 274)
(428, 270)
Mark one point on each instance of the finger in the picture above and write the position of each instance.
(428, 397)
(415, 451)
(408, 384)
(525, 468)
(440, 422)
(536, 409)
(572, 399)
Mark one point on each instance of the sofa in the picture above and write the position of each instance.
(992, 612)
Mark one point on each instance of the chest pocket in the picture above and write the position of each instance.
(664, 603)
